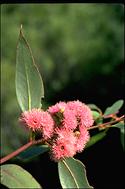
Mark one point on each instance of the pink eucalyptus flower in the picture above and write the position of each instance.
(64, 145)
(47, 125)
(69, 119)
(82, 138)
(82, 112)
(58, 107)
(63, 125)
(38, 120)
(32, 119)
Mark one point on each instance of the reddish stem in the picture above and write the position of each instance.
(108, 123)
(19, 150)
(13, 154)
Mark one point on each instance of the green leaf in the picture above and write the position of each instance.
(14, 176)
(121, 126)
(32, 152)
(99, 121)
(114, 108)
(29, 84)
(96, 138)
(95, 115)
(72, 174)
(94, 107)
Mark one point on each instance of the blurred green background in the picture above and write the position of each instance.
(78, 49)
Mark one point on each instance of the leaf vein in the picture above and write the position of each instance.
(71, 173)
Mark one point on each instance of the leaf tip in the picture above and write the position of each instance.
(21, 26)
(21, 29)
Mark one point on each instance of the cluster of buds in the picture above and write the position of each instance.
(64, 126)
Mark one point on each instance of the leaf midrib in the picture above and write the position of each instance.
(27, 79)
(7, 172)
(71, 173)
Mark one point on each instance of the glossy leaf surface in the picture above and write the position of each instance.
(72, 174)
(14, 176)
(114, 108)
(29, 84)
(95, 115)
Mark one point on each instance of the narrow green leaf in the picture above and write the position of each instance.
(96, 138)
(72, 174)
(29, 84)
(94, 107)
(14, 176)
(32, 152)
(121, 126)
(114, 108)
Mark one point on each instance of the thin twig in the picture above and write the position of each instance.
(108, 123)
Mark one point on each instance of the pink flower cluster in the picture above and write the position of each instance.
(63, 125)
(71, 131)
